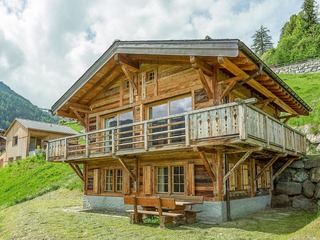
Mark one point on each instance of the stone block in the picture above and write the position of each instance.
(297, 164)
(317, 191)
(300, 176)
(315, 175)
(281, 200)
(308, 188)
(312, 164)
(289, 188)
(303, 202)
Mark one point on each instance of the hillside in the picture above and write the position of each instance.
(307, 86)
(13, 105)
(27, 179)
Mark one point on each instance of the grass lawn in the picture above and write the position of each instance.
(59, 215)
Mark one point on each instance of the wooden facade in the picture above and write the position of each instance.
(197, 118)
(23, 140)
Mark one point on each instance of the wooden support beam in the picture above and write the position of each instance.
(268, 165)
(207, 165)
(129, 63)
(252, 182)
(228, 89)
(220, 185)
(287, 118)
(199, 63)
(234, 69)
(229, 80)
(283, 168)
(127, 169)
(80, 119)
(129, 76)
(77, 170)
(241, 160)
(204, 82)
(265, 102)
(79, 107)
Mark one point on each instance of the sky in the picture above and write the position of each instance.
(46, 45)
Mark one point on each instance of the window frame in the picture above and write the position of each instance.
(117, 186)
(15, 141)
(171, 182)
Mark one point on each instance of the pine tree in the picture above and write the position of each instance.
(262, 41)
(310, 12)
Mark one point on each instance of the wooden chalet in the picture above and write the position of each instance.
(180, 118)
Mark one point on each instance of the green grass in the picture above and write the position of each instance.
(307, 86)
(31, 177)
(59, 215)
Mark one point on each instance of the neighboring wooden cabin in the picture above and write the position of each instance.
(25, 137)
(189, 117)
(2, 149)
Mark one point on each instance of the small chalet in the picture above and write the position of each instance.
(180, 118)
(26, 137)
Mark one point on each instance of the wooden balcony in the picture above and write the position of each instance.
(237, 125)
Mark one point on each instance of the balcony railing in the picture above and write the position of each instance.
(234, 120)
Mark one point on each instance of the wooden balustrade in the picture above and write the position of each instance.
(240, 120)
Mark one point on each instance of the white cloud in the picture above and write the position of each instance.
(45, 46)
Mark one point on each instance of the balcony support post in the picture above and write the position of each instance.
(134, 177)
(268, 165)
(87, 146)
(283, 168)
(77, 170)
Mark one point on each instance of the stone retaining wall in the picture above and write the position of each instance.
(304, 67)
(298, 185)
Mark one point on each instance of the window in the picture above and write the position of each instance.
(113, 180)
(168, 131)
(18, 158)
(170, 179)
(178, 179)
(163, 177)
(15, 141)
(90, 179)
(126, 84)
(124, 140)
(150, 76)
(10, 159)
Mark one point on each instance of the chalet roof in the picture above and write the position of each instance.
(41, 126)
(229, 48)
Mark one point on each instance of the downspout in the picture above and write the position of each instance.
(228, 206)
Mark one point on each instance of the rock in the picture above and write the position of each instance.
(315, 175)
(303, 202)
(297, 164)
(308, 188)
(289, 188)
(317, 192)
(286, 175)
(312, 164)
(281, 200)
(300, 176)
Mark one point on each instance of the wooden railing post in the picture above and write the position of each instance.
(243, 123)
(283, 138)
(113, 141)
(65, 148)
(145, 136)
(267, 130)
(186, 129)
(87, 145)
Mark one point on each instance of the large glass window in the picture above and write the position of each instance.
(123, 134)
(178, 179)
(167, 131)
(109, 180)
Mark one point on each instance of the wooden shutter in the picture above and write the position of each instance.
(96, 180)
(190, 181)
(147, 180)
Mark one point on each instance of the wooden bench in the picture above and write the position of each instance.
(190, 214)
(153, 206)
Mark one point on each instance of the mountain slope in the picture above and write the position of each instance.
(28, 178)
(13, 105)
(307, 86)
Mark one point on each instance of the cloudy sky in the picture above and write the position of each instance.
(46, 45)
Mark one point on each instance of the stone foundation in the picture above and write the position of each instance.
(298, 185)
(211, 211)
